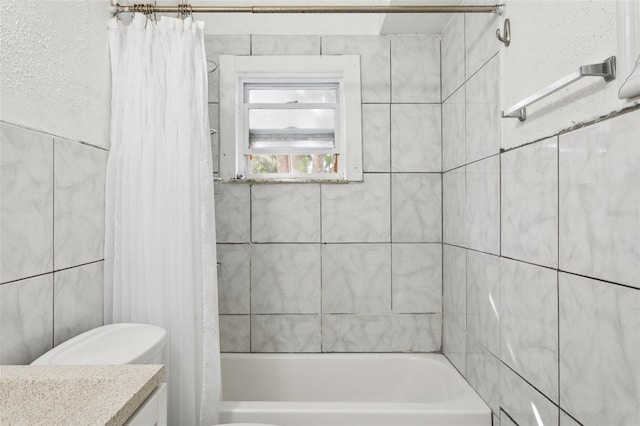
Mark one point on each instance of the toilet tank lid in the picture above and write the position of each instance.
(112, 344)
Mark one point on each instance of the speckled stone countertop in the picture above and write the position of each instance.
(74, 395)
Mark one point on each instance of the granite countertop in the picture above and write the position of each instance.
(74, 394)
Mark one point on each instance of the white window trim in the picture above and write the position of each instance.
(236, 70)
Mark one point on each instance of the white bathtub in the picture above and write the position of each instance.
(348, 390)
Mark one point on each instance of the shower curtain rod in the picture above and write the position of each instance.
(185, 8)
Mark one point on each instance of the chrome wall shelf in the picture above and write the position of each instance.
(606, 70)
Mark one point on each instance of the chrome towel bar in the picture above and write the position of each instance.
(606, 70)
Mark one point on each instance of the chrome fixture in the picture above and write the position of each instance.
(606, 70)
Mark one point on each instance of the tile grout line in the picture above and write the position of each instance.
(558, 259)
(630, 287)
(322, 249)
(390, 179)
(62, 138)
(525, 380)
(53, 244)
(250, 269)
(441, 204)
(51, 272)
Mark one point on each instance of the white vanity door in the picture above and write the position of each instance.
(153, 411)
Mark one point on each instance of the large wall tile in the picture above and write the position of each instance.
(375, 63)
(416, 207)
(285, 45)
(417, 278)
(529, 200)
(285, 278)
(482, 194)
(453, 133)
(234, 280)
(216, 45)
(483, 299)
(453, 207)
(233, 213)
(357, 212)
(356, 278)
(483, 373)
(454, 344)
(26, 203)
(529, 323)
(214, 123)
(285, 213)
(79, 181)
(26, 319)
(482, 112)
(415, 68)
(505, 420)
(416, 332)
(566, 420)
(454, 306)
(285, 333)
(525, 405)
(77, 297)
(454, 283)
(356, 333)
(600, 200)
(453, 53)
(235, 333)
(599, 351)
(376, 137)
(480, 39)
(416, 137)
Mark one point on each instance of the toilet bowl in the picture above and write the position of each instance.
(114, 344)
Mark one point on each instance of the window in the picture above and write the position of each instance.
(293, 118)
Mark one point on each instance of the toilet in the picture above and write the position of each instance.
(114, 344)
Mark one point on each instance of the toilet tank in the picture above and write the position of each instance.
(112, 344)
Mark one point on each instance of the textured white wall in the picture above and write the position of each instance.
(551, 39)
(55, 72)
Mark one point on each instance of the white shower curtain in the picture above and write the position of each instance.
(160, 260)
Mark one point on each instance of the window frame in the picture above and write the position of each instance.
(239, 73)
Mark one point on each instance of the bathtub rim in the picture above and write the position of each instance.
(469, 398)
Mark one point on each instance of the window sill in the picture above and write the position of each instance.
(296, 180)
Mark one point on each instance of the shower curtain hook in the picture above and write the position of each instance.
(155, 15)
(506, 39)
(148, 12)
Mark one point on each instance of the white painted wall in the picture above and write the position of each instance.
(315, 24)
(551, 39)
(320, 24)
(55, 72)
(417, 23)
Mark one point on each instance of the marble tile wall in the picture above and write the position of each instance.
(342, 267)
(541, 253)
(52, 233)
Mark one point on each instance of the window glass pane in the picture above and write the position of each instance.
(298, 139)
(298, 164)
(292, 119)
(292, 95)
